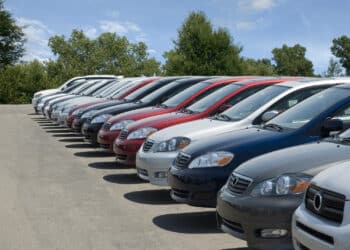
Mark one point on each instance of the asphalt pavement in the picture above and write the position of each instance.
(57, 192)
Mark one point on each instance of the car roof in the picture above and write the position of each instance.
(315, 82)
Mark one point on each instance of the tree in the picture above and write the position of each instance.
(341, 49)
(291, 61)
(334, 69)
(260, 67)
(202, 50)
(107, 54)
(11, 38)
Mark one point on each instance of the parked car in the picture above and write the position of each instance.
(71, 82)
(322, 220)
(94, 124)
(133, 135)
(202, 168)
(261, 195)
(112, 127)
(153, 164)
(119, 98)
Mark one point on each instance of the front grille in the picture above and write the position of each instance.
(147, 145)
(234, 226)
(238, 184)
(142, 171)
(123, 134)
(106, 126)
(180, 193)
(319, 235)
(331, 206)
(105, 146)
(182, 159)
(121, 157)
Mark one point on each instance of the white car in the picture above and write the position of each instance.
(153, 165)
(322, 222)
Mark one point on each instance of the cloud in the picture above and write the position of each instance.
(256, 5)
(37, 35)
(120, 28)
(245, 25)
(90, 32)
(152, 51)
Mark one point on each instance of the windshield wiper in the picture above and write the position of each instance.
(162, 105)
(223, 117)
(187, 111)
(273, 126)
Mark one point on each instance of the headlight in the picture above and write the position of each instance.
(212, 159)
(120, 125)
(142, 133)
(174, 144)
(101, 118)
(88, 114)
(77, 111)
(287, 184)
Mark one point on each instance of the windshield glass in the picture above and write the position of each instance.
(213, 98)
(184, 95)
(121, 91)
(83, 87)
(299, 115)
(110, 89)
(246, 107)
(95, 87)
(71, 88)
(107, 85)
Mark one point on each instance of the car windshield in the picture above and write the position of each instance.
(127, 87)
(95, 87)
(110, 89)
(213, 98)
(108, 86)
(184, 95)
(246, 107)
(301, 114)
(83, 87)
(76, 85)
(160, 91)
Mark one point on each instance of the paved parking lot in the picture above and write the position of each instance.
(56, 192)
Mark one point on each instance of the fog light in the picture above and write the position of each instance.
(161, 174)
(273, 233)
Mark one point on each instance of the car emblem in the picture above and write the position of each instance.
(234, 180)
(318, 202)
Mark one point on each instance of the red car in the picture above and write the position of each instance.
(133, 135)
(111, 129)
(119, 95)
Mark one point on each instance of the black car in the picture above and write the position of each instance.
(87, 113)
(202, 168)
(92, 126)
(258, 201)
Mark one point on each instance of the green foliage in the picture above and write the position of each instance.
(19, 82)
(261, 67)
(11, 38)
(334, 69)
(202, 50)
(341, 49)
(291, 61)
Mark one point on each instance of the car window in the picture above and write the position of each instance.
(299, 115)
(290, 100)
(206, 93)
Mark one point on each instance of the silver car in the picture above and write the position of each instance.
(153, 165)
(322, 222)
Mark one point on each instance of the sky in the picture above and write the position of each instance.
(256, 25)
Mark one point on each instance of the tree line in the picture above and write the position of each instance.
(199, 49)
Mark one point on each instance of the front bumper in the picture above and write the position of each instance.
(77, 124)
(245, 217)
(126, 150)
(90, 131)
(106, 139)
(61, 119)
(154, 167)
(322, 231)
(197, 187)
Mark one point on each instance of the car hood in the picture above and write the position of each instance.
(47, 91)
(162, 121)
(138, 114)
(335, 178)
(307, 158)
(197, 129)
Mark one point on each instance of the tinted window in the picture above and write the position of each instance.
(83, 87)
(144, 90)
(95, 87)
(301, 114)
(246, 107)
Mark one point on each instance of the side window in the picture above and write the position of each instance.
(290, 100)
(208, 92)
(239, 97)
(175, 91)
(344, 115)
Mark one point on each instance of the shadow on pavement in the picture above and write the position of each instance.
(108, 165)
(123, 179)
(190, 223)
(72, 140)
(59, 131)
(80, 145)
(239, 248)
(151, 197)
(94, 154)
(66, 135)
(39, 119)
(32, 114)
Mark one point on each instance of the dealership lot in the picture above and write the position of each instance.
(59, 193)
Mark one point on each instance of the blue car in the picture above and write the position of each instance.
(202, 168)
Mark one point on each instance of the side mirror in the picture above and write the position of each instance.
(332, 125)
(267, 116)
(223, 107)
